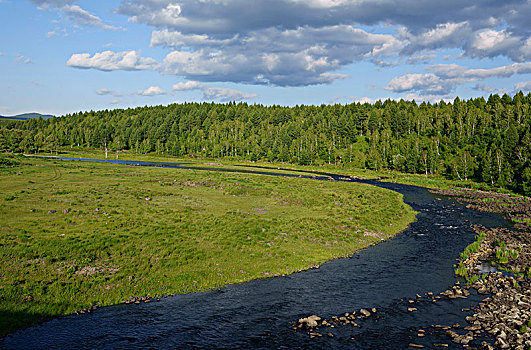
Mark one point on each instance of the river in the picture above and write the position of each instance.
(257, 314)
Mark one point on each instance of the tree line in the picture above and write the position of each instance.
(488, 141)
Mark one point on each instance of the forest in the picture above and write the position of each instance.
(487, 141)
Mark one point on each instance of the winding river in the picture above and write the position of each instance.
(258, 314)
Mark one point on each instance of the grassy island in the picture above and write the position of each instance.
(76, 234)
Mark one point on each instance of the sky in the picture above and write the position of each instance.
(65, 56)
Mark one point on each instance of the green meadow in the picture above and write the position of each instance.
(77, 234)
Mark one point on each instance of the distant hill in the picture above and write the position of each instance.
(27, 116)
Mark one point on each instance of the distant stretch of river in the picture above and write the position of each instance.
(257, 314)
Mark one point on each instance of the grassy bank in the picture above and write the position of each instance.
(79, 234)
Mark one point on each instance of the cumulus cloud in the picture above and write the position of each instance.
(444, 78)
(304, 42)
(475, 43)
(74, 13)
(225, 18)
(302, 56)
(449, 34)
(491, 43)
(189, 85)
(152, 91)
(109, 61)
(213, 93)
(427, 83)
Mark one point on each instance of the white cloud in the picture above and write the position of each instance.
(109, 61)
(45, 4)
(302, 56)
(178, 39)
(484, 88)
(444, 78)
(83, 17)
(213, 93)
(225, 95)
(491, 43)
(22, 59)
(322, 4)
(74, 13)
(429, 83)
(113, 102)
(226, 18)
(152, 91)
(366, 99)
(105, 91)
(456, 71)
(2, 54)
(189, 85)
(488, 39)
(166, 15)
(523, 86)
(420, 59)
(443, 35)
(304, 42)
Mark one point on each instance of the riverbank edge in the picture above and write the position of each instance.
(505, 313)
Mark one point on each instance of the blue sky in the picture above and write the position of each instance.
(63, 56)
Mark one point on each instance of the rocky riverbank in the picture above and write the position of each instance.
(498, 266)
(514, 208)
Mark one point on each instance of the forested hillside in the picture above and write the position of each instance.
(487, 141)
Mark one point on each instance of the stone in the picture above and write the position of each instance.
(310, 321)
(365, 313)
(483, 290)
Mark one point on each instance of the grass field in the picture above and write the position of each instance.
(77, 234)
